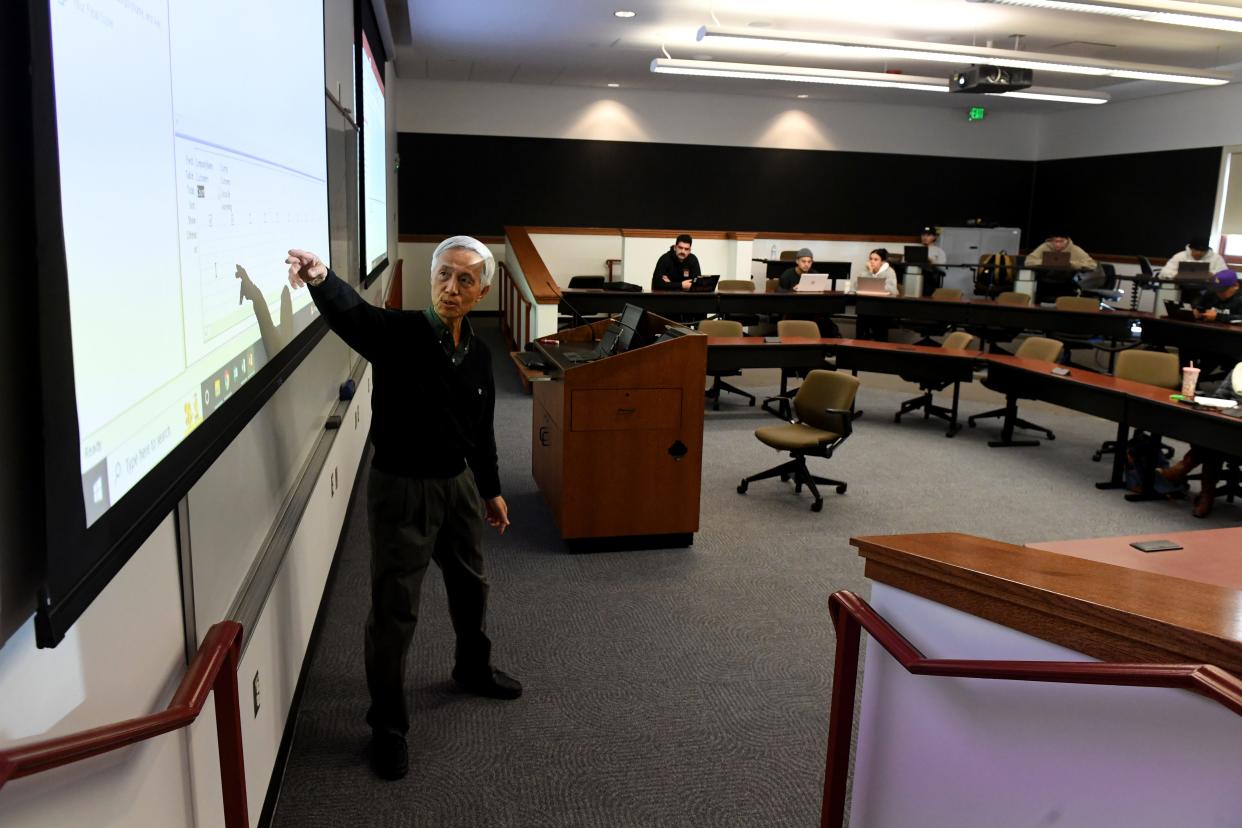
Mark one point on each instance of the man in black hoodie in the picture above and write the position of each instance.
(434, 477)
(678, 268)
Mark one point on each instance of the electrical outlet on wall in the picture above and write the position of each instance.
(255, 687)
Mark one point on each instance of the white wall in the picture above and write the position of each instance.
(123, 658)
(567, 255)
(1181, 120)
(720, 120)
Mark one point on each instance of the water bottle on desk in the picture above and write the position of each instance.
(773, 255)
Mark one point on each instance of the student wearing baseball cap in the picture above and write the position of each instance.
(1221, 300)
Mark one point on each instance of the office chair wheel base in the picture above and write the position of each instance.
(841, 489)
(896, 418)
(817, 506)
(784, 478)
(970, 423)
(1096, 457)
(741, 487)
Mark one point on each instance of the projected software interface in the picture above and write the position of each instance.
(375, 168)
(192, 157)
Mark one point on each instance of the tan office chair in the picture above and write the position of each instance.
(779, 404)
(947, 294)
(1035, 347)
(736, 285)
(723, 327)
(1011, 297)
(770, 285)
(956, 341)
(1152, 368)
(824, 422)
(789, 255)
(1078, 303)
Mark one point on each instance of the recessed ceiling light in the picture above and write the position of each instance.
(614, 85)
(624, 14)
(804, 96)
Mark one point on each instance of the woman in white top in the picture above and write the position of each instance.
(878, 266)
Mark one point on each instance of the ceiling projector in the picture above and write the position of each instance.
(990, 79)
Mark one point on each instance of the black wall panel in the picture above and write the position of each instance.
(1147, 203)
(457, 183)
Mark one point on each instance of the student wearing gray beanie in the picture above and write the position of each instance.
(802, 264)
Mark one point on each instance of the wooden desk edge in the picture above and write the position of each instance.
(1104, 611)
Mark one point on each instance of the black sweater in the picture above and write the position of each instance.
(429, 419)
(675, 269)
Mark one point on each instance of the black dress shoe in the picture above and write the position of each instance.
(493, 684)
(389, 755)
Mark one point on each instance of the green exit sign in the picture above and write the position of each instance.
(977, 113)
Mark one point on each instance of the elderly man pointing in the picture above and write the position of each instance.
(434, 477)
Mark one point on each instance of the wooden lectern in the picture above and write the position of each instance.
(617, 443)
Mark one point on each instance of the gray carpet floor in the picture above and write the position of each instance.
(683, 686)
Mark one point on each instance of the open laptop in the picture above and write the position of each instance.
(871, 286)
(1055, 261)
(705, 284)
(1175, 311)
(813, 283)
(1193, 272)
(916, 254)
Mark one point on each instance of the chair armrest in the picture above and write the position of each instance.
(847, 420)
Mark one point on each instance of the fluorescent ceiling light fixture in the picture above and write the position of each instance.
(624, 14)
(1199, 15)
(614, 85)
(843, 77)
(1039, 93)
(881, 48)
(796, 74)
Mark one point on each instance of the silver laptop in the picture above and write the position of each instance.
(872, 286)
(813, 283)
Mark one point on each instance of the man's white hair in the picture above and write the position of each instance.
(467, 243)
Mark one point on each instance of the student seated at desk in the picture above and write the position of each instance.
(1198, 250)
(792, 277)
(1230, 389)
(678, 268)
(877, 266)
(1221, 301)
(933, 271)
(1079, 260)
(802, 265)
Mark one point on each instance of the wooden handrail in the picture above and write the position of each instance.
(393, 299)
(851, 614)
(214, 668)
(538, 279)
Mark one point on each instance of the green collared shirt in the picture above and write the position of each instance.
(456, 352)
